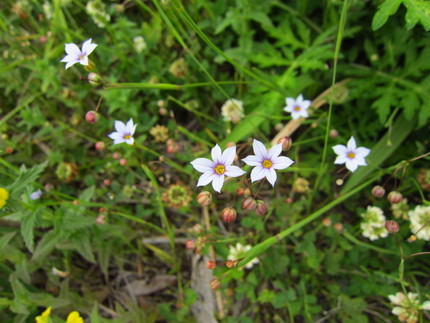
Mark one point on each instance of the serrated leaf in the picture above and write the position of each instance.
(385, 10)
(83, 246)
(47, 244)
(384, 103)
(28, 223)
(26, 177)
(417, 11)
(5, 239)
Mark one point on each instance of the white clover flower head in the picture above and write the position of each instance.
(407, 307)
(36, 195)
(139, 44)
(237, 252)
(373, 225)
(297, 107)
(216, 169)
(232, 110)
(265, 162)
(123, 133)
(351, 155)
(75, 55)
(420, 222)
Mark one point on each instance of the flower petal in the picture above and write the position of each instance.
(274, 151)
(120, 127)
(295, 115)
(206, 178)
(259, 149)
(282, 162)
(129, 141)
(83, 61)
(360, 161)
(72, 50)
(228, 156)
(362, 152)
(340, 150)
(234, 171)
(88, 47)
(216, 153)
(258, 173)
(341, 159)
(253, 160)
(218, 182)
(352, 145)
(352, 165)
(115, 136)
(271, 176)
(290, 102)
(69, 64)
(203, 165)
(288, 108)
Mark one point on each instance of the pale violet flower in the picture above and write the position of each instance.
(297, 107)
(420, 222)
(216, 169)
(265, 162)
(124, 132)
(236, 253)
(351, 155)
(36, 195)
(75, 55)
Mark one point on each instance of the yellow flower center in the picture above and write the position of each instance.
(267, 163)
(296, 108)
(220, 169)
(81, 57)
(351, 155)
(127, 136)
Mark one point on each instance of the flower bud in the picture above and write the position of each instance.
(94, 78)
(92, 116)
(338, 227)
(378, 191)
(210, 264)
(190, 244)
(75, 202)
(412, 238)
(100, 145)
(289, 200)
(106, 182)
(162, 111)
(123, 161)
(215, 283)
(395, 197)
(326, 222)
(230, 263)
(392, 226)
(334, 133)
(247, 192)
(286, 143)
(8, 150)
(116, 155)
(240, 191)
(204, 198)
(249, 204)
(228, 215)
(261, 208)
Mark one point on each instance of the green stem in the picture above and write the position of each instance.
(165, 86)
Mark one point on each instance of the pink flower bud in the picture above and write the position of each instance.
(230, 263)
(392, 226)
(261, 208)
(286, 143)
(338, 227)
(106, 182)
(190, 244)
(94, 78)
(378, 191)
(395, 197)
(210, 264)
(240, 191)
(116, 155)
(100, 145)
(92, 116)
(228, 215)
(215, 283)
(249, 204)
(123, 161)
(204, 198)
(334, 133)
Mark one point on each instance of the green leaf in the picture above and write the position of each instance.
(47, 244)
(162, 255)
(418, 11)
(26, 177)
(27, 228)
(5, 239)
(385, 10)
(83, 246)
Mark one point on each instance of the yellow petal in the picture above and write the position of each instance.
(4, 194)
(74, 317)
(2, 203)
(44, 318)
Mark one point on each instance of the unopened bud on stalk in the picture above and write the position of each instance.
(338, 227)
(210, 264)
(240, 191)
(334, 133)
(228, 215)
(249, 204)
(378, 191)
(247, 192)
(94, 78)
(286, 143)
(116, 155)
(215, 283)
(230, 263)
(261, 208)
(395, 197)
(204, 198)
(92, 116)
(100, 145)
(123, 161)
(392, 226)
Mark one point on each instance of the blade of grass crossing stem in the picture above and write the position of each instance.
(163, 215)
(186, 17)
(184, 45)
(382, 150)
(263, 246)
(340, 31)
(194, 137)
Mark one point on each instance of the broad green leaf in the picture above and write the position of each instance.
(82, 244)
(417, 11)
(385, 10)
(28, 223)
(26, 177)
(47, 244)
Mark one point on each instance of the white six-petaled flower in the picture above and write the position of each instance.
(266, 162)
(124, 132)
(75, 55)
(236, 253)
(216, 169)
(297, 107)
(351, 155)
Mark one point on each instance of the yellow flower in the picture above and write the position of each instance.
(44, 318)
(4, 195)
(74, 317)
